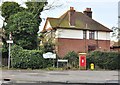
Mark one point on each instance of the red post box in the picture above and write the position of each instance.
(82, 61)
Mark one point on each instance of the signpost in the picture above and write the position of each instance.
(10, 41)
(61, 60)
(50, 55)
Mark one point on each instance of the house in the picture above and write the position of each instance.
(77, 31)
(115, 46)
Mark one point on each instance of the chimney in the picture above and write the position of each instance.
(72, 16)
(88, 12)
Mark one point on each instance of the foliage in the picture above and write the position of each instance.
(46, 44)
(73, 58)
(54, 69)
(105, 60)
(25, 59)
(49, 47)
(10, 8)
(4, 51)
(24, 29)
(23, 22)
(116, 33)
(35, 8)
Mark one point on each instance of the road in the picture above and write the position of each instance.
(58, 77)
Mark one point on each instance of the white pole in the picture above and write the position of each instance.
(10, 38)
(9, 57)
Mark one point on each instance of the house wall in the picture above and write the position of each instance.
(103, 35)
(48, 26)
(79, 45)
(74, 34)
(72, 40)
(78, 34)
(115, 49)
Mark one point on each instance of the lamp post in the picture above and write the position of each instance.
(10, 41)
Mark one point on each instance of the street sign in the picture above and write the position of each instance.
(49, 55)
(9, 41)
(60, 60)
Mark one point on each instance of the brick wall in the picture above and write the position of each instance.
(65, 45)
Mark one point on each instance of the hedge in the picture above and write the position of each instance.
(24, 59)
(104, 60)
(73, 59)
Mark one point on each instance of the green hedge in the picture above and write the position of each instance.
(73, 59)
(104, 60)
(28, 58)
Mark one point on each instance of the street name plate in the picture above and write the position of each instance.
(9, 41)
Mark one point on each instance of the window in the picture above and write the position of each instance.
(91, 47)
(91, 34)
(84, 34)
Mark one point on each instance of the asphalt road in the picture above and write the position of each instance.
(60, 84)
(41, 77)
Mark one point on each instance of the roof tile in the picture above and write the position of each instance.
(82, 21)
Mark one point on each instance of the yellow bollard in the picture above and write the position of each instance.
(92, 66)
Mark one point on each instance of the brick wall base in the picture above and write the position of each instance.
(65, 45)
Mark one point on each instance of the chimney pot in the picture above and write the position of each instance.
(72, 16)
(88, 12)
(71, 8)
(88, 9)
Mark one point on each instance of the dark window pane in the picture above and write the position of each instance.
(91, 47)
(84, 34)
(91, 34)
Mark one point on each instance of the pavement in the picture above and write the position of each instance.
(77, 76)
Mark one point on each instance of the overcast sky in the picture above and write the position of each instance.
(104, 11)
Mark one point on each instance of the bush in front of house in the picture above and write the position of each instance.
(104, 60)
(25, 59)
(73, 59)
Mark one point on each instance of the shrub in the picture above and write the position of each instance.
(105, 60)
(73, 59)
(28, 58)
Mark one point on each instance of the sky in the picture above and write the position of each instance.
(104, 11)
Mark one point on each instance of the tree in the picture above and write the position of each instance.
(116, 33)
(36, 8)
(24, 29)
(10, 8)
(23, 22)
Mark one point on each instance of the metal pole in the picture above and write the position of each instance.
(9, 57)
(53, 62)
(57, 63)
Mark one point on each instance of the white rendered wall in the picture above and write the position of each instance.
(78, 34)
(74, 34)
(103, 36)
(48, 25)
(87, 34)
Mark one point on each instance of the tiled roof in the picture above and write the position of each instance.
(82, 21)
